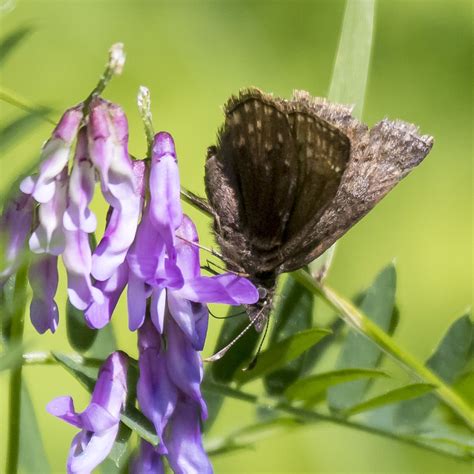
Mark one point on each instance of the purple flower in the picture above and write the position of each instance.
(15, 227)
(48, 237)
(148, 460)
(78, 216)
(43, 277)
(164, 268)
(99, 422)
(169, 395)
(108, 150)
(55, 155)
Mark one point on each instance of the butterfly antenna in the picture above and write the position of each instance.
(222, 352)
(207, 249)
(253, 363)
(228, 316)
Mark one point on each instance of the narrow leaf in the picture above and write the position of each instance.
(79, 334)
(351, 69)
(246, 437)
(450, 358)
(309, 388)
(393, 396)
(357, 351)
(279, 354)
(12, 40)
(32, 453)
(18, 127)
(349, 82)
(223, 370)
(293, 314)
(105, 343)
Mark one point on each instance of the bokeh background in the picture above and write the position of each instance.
(193, 55)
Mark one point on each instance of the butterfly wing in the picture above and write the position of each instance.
(251, 179)
(380, 158)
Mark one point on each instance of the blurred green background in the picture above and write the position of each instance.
(193, 55)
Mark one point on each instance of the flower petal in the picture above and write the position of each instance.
(78, 261)
(165, 203)
(186, 454)
(97, 315)
(156, 393)
(148, 461)
(158, 308)
(184, 364)
(54, 156)
(43, 278)
(63, 407)
(187, 253)
(226, 289)
(15, 226)
(89, 450)
(49, 237)
(78, 216)
(136, 301)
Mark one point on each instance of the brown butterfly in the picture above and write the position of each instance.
(288, 178)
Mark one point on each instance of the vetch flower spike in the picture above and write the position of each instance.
(99, 422)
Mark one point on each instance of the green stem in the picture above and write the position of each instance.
(314, 416)
(361, 323)
(18, 322)
(113, 68)
(144, 108)
(14, 99)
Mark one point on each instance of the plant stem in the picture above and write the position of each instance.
(18, 322)
(113, 67)
(361, 323)
(313, 416)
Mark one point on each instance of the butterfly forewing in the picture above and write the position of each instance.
(256, 148)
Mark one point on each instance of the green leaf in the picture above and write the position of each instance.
(32, 456)
(309, 388)
(359, 352)
(79, 334)
(85, 371)
(104, 344)
(449, 360)
(223, 370)
(282, 352)
(293, 314)
(11, 41)
(351, 69)
(18, 127)
(393, 396)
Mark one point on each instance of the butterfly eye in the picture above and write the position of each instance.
(262, 293)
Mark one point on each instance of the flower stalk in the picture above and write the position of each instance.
(18, 323)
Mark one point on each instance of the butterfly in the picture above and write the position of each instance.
(288, 178)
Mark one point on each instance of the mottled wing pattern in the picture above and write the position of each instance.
(380, 158)
(252, 174)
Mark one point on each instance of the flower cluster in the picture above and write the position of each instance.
(151, 249)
